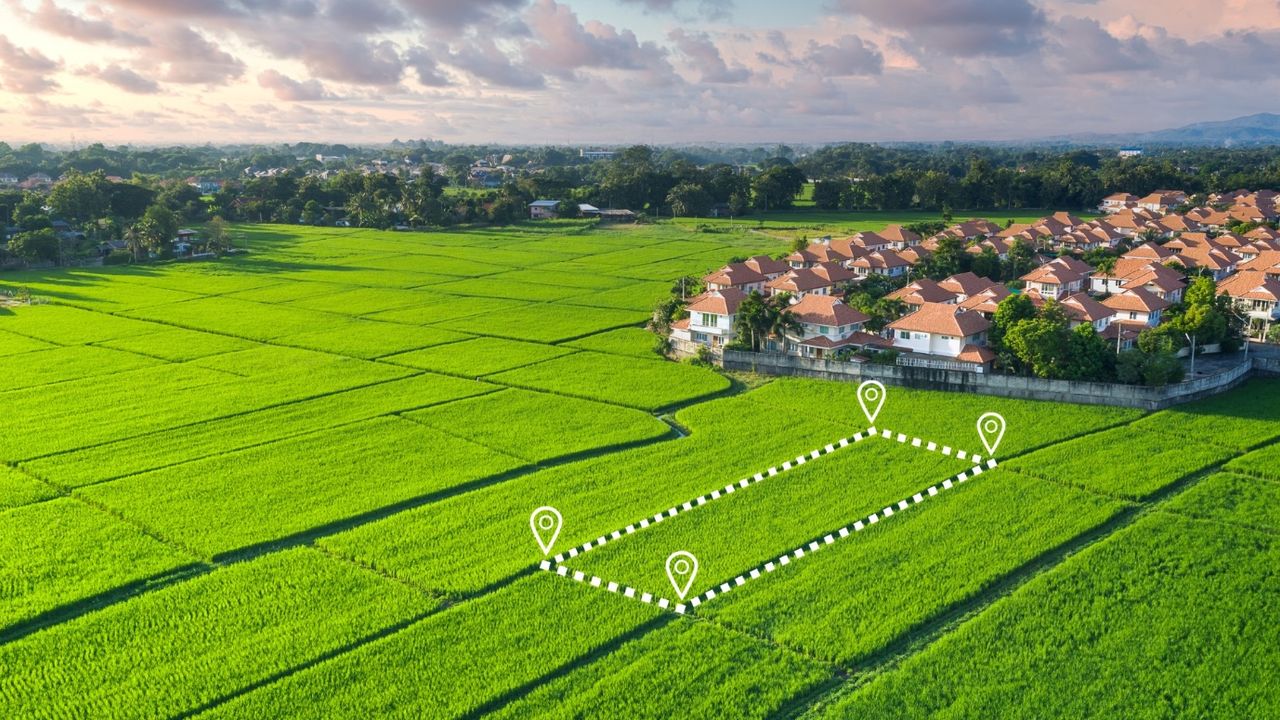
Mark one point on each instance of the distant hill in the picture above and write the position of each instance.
(1260, 129)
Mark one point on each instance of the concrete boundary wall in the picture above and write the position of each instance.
(1015, 386)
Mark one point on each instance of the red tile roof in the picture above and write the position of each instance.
(718, 302)
(826, 310)
(941, 319)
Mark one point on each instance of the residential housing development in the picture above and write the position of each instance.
(1153, 244)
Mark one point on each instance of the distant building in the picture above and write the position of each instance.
(543, 209)
(596, 154)
(1130, 152)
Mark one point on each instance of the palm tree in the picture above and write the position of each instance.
(752, 319)
(133, 240)
(781, 319)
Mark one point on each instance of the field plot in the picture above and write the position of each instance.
(45, 367)
(854, 598)
(687, 669)
(453, 663)
(1147, 624)
(178, 345)
(622, 380)
(491, 287)
(633, 342)
(548, 323)
(266, 493)
(61, 551)
(448, 307)
(65, 325)
(478, 357)
(13, 344)
(1227, 497)
(538, 427)
(791, 509)
(1240, 419)
(18, 488)
(1264, 463)
(169, 652)
(110, 461)
(1115, 468)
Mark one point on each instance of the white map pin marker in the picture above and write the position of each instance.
(682, 568)
(871, 397)
(991, 430)
(546, 522)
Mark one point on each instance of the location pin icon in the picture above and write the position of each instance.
(682, 568)
(871, 397)
(546, 522)
(991, 430)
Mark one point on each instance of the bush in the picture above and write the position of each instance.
(118, 257)
(703, 358)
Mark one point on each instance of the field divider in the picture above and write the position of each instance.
(556, 564)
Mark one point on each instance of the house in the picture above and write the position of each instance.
(816, 254)
(1058, 278)
(7, 179)
(1162, 201)
(1131, 273)
(987, 301)
(827, 325)
(899, 237)
(770, 268)
(940, 329)
(965, 285)
(1266, 262)
(737, 276)
(1081, 309)
(596, 154)
(1255, 294)
(543, 209)
(880, 262)
(1137, 306)
(1117, 202)
(711, 317)
(915, 294)
(799, 283)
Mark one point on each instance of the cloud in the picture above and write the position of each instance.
(360, 16)
(350, 60)
(705, 56)
(286, 88)
(424, 65)
(1082, 45)
(963, 28)
(482, 58)
(53, 19)
(186, 57)
(25, 71)
(848, 55)
(125, 79)
(562, 45)
(458, 14)
(710, 9)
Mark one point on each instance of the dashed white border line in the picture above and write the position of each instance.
(554, 565)
(716, 494)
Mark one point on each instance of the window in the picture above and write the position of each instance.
(904, 335)
(700, 337)
(825, 330)
(1133, 315)
(708, 319)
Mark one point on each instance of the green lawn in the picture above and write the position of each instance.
(297, 482)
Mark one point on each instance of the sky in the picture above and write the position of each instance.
(603, 72)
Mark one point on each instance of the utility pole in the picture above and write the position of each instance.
(1192, 340)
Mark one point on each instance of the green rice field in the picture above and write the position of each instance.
(297, 482)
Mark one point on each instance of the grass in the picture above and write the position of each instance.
(242, 498)
(61, 551)
(381, 400)
(736, 677)
(1120, 462)
(616, 379)
(169, 652)
(1169, 618)
(478, 357)
(782, 513)
(853, 598)
(538, 427)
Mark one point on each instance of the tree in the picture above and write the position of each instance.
(30, 213)
(751, 322)
(1273, 335)
(1088, 356)
(829, 194)
(1041, 343)
(218, 236)
(154, 231)
(80, 198)
(689, 200)
(35, 245)
(949, 258)
(777, 187)
(1020, 261)
(987, 264)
